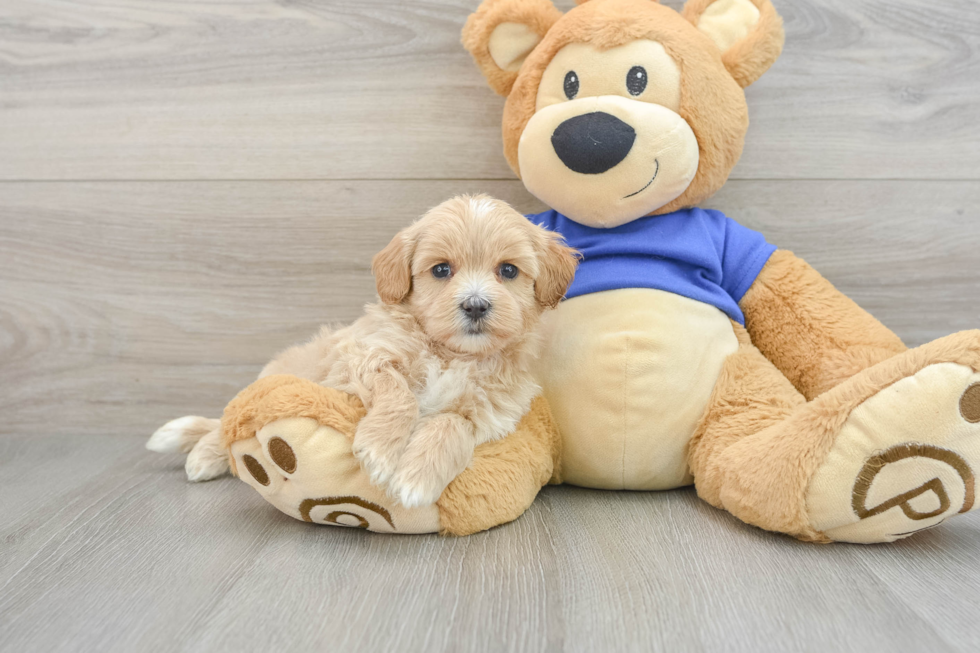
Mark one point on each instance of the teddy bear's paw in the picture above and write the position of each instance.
(308, 471)
(905, 459)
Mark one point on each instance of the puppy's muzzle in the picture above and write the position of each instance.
(593, 143)
(475, 308)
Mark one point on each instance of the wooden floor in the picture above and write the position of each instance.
(187, 187)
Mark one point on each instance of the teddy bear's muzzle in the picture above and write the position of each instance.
(607, 160)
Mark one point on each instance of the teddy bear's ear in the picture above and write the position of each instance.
(749, 34)
(502, 33)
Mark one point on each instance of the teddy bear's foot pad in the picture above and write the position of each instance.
(308, 471)
(905, 460)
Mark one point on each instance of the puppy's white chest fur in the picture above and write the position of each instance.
(493, 401)
(444, 387)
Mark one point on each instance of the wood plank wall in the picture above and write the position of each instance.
(186, 188)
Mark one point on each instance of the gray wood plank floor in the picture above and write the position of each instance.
(113, 552)
(186, 188)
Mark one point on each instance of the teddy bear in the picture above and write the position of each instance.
(688, 349)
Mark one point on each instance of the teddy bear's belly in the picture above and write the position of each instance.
(628, 374)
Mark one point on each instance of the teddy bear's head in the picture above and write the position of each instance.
(619, 109)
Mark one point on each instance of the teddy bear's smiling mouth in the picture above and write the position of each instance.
(655, 173)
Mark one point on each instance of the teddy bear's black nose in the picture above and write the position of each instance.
(593, 142)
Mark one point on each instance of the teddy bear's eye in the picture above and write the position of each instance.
(571, 84)
(636, 80)
(441, 271)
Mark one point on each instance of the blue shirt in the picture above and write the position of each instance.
(696, 253)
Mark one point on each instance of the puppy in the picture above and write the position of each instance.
(442, 363)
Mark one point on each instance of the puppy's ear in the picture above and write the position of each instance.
(749, 34)
(502, 33)
(392, 268)
(558, 263)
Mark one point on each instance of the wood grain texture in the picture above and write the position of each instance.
(374, 89)
(127, 556)
(128, 304)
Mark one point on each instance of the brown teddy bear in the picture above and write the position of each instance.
(688, 350)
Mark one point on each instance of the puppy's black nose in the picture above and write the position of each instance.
(475, 307)
(593, 142)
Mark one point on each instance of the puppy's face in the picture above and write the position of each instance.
(475, 273)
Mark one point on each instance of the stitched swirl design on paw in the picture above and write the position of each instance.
(365, 511)
(256, 469)
(873, 467)
(970, 404)
(282, 455)
(334, 516)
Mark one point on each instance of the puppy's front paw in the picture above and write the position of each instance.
(378, 453)
(424, 472)
(440, 448)
(415, 488)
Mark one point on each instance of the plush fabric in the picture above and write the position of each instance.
(749, 396)
(321, 481)
(537, 15)
(290, 439)
(763, 478)
(712, 102)
(628, 374)
(281, 395)
(726, 22)
(602, 72)
(624, 191)
(748, 58)
(814, 334)
(899, 465)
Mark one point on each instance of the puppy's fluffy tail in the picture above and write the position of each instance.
(180, 435)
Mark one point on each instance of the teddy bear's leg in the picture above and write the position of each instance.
(813, 333)
(750, 396)
(889, 452)
(291, 440)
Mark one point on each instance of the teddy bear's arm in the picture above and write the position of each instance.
(812, 332)
(279, 396)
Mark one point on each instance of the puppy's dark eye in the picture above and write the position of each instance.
(636, 80)
(571, 84)
(508, 271)
(441, 271)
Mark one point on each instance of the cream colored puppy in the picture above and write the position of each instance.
(442, 363)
